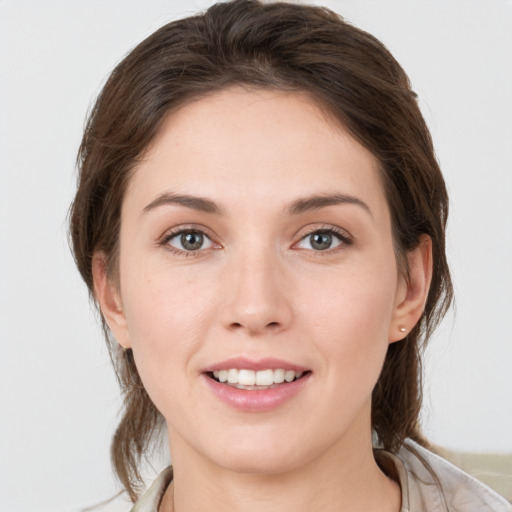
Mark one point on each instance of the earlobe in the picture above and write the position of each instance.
(413, 291)
(106, 293)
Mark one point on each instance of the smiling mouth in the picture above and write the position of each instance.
(256, 380)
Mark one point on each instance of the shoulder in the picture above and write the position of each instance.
(119, 503)
(115, 505)
(149, 501)
(435, 483)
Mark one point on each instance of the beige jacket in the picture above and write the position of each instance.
(457, 492)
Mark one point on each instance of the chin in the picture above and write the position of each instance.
(261, 457)
(273, 464)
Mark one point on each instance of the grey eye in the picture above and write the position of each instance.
(320, 241)
(190, 241)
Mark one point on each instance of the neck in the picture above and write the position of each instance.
(344, 478)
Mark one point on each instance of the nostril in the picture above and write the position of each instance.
(255, 327)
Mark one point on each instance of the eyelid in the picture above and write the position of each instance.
(186, 228)
(342, 235)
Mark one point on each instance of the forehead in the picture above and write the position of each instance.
(259, 145)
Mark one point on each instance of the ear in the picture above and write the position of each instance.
(412, 291)
(108, 297)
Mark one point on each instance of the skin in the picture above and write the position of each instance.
(260, 289)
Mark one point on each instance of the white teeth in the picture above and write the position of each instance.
(265, 378)
(289, 375)
(242, 378)
(279, 376)
(232, 376)
(246, 377)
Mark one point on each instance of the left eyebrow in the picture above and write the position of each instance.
(316, 202)
(195, 203)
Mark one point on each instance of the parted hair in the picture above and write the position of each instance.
(353, 78)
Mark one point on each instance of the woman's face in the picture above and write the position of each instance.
(256, 244)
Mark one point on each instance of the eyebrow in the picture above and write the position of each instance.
(317, 202)
(195, 203)
(302, 205)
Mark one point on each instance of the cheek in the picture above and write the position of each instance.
(349, 316)
(163, 304)
(168, 317)
(360, 299)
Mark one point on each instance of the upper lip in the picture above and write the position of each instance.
(244, 363)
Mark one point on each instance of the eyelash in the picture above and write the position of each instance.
(190, 230)
(342, 236)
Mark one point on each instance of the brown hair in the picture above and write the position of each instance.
(287, 47)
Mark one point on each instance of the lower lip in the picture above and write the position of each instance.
(257, 400)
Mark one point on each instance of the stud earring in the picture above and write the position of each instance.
(403, 329)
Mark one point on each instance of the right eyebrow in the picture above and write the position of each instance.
(195, 203)
(316, 202)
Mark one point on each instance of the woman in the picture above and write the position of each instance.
(260, 219)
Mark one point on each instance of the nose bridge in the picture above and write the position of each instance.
(257, 301)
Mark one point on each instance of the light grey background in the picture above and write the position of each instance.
(58, 395)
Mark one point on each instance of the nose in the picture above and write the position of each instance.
(257, 296)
